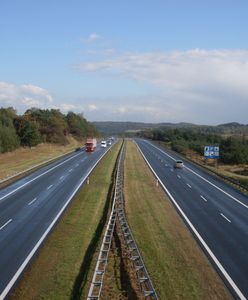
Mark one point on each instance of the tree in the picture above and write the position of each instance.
(27, 131)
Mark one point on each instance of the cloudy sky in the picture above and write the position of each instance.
(132, 60)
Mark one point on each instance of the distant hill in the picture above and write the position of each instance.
(232, 124)
(119, 128)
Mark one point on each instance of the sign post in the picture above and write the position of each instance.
(212, 152)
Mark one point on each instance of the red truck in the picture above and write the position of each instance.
(90, 145)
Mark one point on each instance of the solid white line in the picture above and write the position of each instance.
(32, 201)
(206, 180)
(179, 176)
(204, 198)
(30, 255)
(204, 244)
(61, 177)
(189, 185)
(5, 224)
(225, 218)
(26, 183)
(49, 186)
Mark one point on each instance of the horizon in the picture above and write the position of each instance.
(173, 61)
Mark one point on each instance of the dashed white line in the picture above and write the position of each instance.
(77, 165)
(225, 218)
(204, 244)
(49, 186)
(61, 177)
(172, 170)
(30, 255)
(189, 185)
(32, 201)
(26, 183)
(179, 176)
(204, 198)
(70, 170)
(5, 224)
(206, 180)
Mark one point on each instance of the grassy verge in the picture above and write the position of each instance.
(232, 174)
(24, 158)
(61, 267)
(177, 266)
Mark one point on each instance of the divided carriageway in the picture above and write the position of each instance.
(30, 207)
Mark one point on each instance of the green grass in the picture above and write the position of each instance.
(24, 158)
(61, 267)
(177, 266)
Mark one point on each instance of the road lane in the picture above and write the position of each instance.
(33, 204)
(205, 205)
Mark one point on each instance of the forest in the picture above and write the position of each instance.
(37, 126)
(233, 147)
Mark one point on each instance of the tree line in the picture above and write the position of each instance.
(37, 126)
(233, 148)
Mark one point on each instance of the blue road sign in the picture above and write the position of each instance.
(212, 151)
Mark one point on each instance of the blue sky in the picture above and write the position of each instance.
(151, 61)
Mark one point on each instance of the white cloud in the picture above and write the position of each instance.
(195, 85)
(93, 37)
(92, 107)
(23, 97)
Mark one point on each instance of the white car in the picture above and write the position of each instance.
(103, 144)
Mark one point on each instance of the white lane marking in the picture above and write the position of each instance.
(204, 198)
(225, 218)
(206, 180)
(172, 170)
(204, 244)
(61, 177)
(32, 201)
(30, 255)
(77, 165)
(179, 176)
(5, 224)
(49, 186)
(166, 165)
(189, 185)
(70, 170)
(26, 183)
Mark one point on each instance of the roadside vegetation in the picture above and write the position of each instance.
(24, 157)
(175, 262)
(37, 126)
(190, 142)
(63, 267)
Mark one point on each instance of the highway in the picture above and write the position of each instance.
(31, 206)
(215, 213)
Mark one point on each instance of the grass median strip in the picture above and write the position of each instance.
(62, 265)
(175, 262)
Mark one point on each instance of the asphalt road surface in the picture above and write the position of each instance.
(216, 213)
(30, 207)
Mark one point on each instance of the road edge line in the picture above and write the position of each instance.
(36, 247)
(200, 176)
(197, 234)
